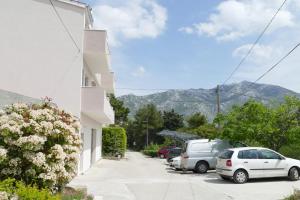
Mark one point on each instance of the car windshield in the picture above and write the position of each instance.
(227, 154)
(175, 150)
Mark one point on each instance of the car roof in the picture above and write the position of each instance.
(198, 140)
(245, 148)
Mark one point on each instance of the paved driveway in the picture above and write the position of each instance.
(142, 178)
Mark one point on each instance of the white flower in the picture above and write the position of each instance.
(51, 176)
(32, 142)
(60, 124)
(57, 152)
(42, 114)
(56, 131)
(16, 116)
(38, 159)
(14, 162)
(4, 119)
(19, 106)
(32, 139)
(3, 195)
(12, 128)
(27, 128)
(3, 153)
(71, 149)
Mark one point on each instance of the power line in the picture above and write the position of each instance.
(65, 26)
(254, 44)
(273, 66)
(277, 63)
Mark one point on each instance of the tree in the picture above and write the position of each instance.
(147, 117)
(255, 123)
(205, 131)
(172, 120)
(196, 120)
(121, 112)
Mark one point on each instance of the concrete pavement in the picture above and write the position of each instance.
(140, 178)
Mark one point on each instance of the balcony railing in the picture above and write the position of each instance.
(96, 52)
(95, 104)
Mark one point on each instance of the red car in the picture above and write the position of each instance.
(163, 152)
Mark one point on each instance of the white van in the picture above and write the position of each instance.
(201, 155)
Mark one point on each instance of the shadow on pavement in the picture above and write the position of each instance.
(262, 180)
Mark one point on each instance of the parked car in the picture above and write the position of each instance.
(175, 162)
(174, 152)
(241, 164)
(163, 151)
(201, 155)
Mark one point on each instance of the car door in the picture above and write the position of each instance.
(200, 151)
(273, 164)
(249, 160)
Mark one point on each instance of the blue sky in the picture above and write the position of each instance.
(197, 44)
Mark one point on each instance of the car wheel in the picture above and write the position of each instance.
(240, 176)
(226, 178)
(201, 167)
(293, 174)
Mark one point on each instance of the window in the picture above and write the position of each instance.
(86, 81)
(248, 154)
(227, 154)
(267, 154)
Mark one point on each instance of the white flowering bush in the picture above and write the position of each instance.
(39, 144)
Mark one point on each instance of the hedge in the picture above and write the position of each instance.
(114, 140)
(12, 189)
(151, 150)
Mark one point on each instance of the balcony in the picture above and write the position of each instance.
(108, 82)
(96, 52)
(95, 104)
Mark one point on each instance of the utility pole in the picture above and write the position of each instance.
(218, 103)
(147, 131)
(218, 99)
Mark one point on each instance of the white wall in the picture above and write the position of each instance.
(99, 144)
(87, 125)
(38, 58)
(86, 155)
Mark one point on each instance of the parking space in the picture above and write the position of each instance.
(140, 178)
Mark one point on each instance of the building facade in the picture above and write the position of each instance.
(50, 48)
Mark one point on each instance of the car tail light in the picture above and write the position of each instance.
(228, 163)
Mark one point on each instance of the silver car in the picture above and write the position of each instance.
(201, 155)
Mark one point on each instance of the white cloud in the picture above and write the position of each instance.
(260, 53)
(187, 30)
(130, 19)
(235, 19)
(265, 56)
(242, 21)
(139, 72)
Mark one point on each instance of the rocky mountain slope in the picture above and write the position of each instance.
(190, 101)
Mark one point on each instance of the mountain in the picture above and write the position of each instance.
(190, 101)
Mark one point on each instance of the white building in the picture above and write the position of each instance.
(49, 48)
